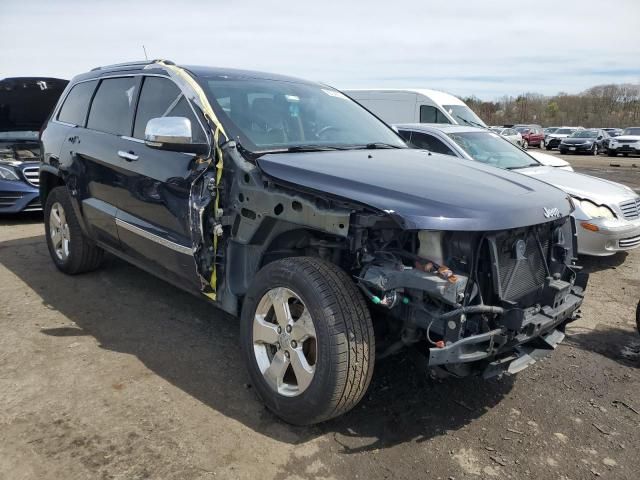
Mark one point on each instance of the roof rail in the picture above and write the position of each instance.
(133, 64)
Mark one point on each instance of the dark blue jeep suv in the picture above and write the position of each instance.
(288, 204)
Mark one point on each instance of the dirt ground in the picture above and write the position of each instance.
(117, 375)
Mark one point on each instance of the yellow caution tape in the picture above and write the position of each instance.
(219, 130)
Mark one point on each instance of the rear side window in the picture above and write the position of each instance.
(113, 106)
(429, 114)
(161, 97)
(431, 143)
(75, 106)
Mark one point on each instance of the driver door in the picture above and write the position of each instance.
(153, 218)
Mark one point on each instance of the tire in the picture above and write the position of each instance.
(595, 150)
(612, 154)
(548, 147)
(344, 340)
(563, 152)
(525, 144)
(71, 251)
(541, 144)
(625, 154)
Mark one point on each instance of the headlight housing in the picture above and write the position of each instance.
(8, 173)
(593, 210)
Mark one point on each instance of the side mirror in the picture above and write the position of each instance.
(172, 133)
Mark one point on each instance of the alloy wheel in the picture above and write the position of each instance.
(284, 342)
(59, 231)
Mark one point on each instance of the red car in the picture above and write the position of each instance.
(532, 135)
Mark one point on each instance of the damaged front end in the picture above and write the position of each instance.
(475, 302)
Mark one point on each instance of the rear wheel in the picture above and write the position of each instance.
(548, 147)
(307, 338)
(612, 153)
(70, 250)
(525, 144)
(542, 144)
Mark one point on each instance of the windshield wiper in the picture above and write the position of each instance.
(523, 166)
(312, 148)
(469, 122)
(375, 145)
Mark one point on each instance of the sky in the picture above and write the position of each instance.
(466, 47)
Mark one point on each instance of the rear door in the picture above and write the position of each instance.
(97, 154)
(153, 208)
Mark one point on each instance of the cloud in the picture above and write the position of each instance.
(487, 48)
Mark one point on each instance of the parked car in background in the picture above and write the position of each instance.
(549, 130)
(510, 134)
(287, 203)
(626, 143)
(613, 132)
(608, 213)
(592, 142)
(418, 105)
(25, 104)
(553, 139)
(532, 135)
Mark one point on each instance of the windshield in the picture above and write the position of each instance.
(551, 130)
(464, 115)
(631, 131)
(523, 129)
(585, 134)
(269, 115)
(564, 131)
(489, 148)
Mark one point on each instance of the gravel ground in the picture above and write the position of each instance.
(115, 374)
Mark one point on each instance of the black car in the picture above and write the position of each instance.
(288, 204)
(590, 142)
(25, 104)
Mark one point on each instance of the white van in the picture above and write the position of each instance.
(416, 106)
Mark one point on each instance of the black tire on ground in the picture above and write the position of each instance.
(84, 255)
(548, 147)
(563, 152)
(625, 154)
(612, 154)
(345, 353)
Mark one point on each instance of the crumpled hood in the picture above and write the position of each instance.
(549, 160)
(421, 190)
(586, 187)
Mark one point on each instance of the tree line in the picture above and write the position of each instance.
(600, 106)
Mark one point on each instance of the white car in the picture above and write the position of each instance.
(550, 160)
(628, 142)
(510, 134)
(553, 139)
(607, 214)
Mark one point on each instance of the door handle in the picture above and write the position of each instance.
(128, 156)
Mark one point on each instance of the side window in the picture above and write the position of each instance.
(113, 106)
(429, 114)
(406, 135)
(160, 97)
(75, 106)
(429, 142)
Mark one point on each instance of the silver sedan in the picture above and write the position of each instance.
(607, 214)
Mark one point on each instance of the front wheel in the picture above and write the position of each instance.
(595, 150)
(70, 250)
(525, 145)
(307, 339)
(612, 153)
(542, 144)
